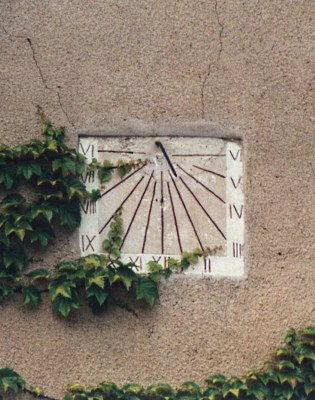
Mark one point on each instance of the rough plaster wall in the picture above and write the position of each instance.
(244, 66)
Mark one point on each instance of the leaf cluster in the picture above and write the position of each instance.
(289, 376)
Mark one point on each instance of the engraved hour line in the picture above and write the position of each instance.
(136, 210)
(175, 220)
(120, 152)
(187, 213)
(198, 155)
(124, 201)
(148, 220)
(208, 170)
(123, 180)
(85, 151)
(194, 196)
(200, 183)
(162, 214)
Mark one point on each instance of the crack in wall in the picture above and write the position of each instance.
(44, 81)
(212, 63)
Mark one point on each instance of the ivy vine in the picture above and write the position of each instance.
(290, 375)
(52, 170)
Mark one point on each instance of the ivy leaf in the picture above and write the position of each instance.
(70, 214)
(28, 169)
(147, 290)
(94, 195)
(42, 232)
(105, 172)
(123, 168)
(64, 305)
(15, 257)
(126, 275)
(12, 200)
(75, 188)
(7, 176)
(10, 380)
(65, 164)
(60, 288)
(19, 228)
(45, 208)
(31, 295)
(39, 273)
(5, 290)
(100, 293)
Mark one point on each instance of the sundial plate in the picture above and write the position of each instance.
(185, 193)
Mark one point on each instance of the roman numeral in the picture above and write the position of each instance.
(89, 207)
(136, 260)
(156, 259)
(85, 150)
(88, 177)
(239, 212)
(237, 250)
(238, 182)
(87, 242)
(207, 265)
(236, 155)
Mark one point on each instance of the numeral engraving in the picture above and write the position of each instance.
(238, 182)
(88, 177)
(136, 260)
(237, 250)
(89, 148)
(238, 212)
(236, 155)
(207, 265)
(87, 242)
(89, 207)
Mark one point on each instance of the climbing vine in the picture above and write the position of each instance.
(44, 189)
(290, 375)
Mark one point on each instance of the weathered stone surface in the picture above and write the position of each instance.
(235, 66)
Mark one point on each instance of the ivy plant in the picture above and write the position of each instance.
(51, 173)
(290, 375)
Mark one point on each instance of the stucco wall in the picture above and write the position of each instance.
(239, 67)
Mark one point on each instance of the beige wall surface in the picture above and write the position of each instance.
(238, 67)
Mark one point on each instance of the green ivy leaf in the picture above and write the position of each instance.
(28, 169)
(10, 380)
(65, 164)
(39, 273)
(42, 232)
(126, 276)
(61, 288)
(70, 214)
(13, 200)
(64, 305)
(147, 290)
(15, 257)
(5, 290)
(31, 295)
(7, 175)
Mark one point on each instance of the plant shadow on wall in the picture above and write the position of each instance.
(52, 172)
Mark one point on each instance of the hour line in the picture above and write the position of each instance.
(198, 155)
(118, 208)
(136, 210)
(162, 214)
(120, 152)
(208, 170)
(175, 220)
(200, 183)
(123, 180)
(187, 213)
(148, 220)
(194, 196)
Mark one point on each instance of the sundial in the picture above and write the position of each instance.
(185, 193)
